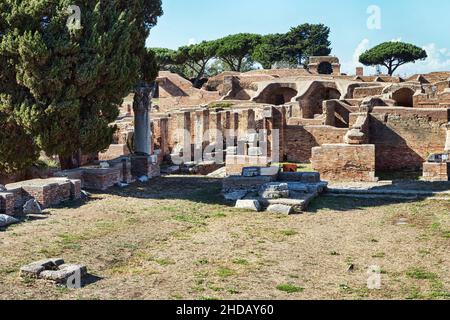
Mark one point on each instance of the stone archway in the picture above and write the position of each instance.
(404, 97)
(277, 94)
(311, 102)
(325, 68)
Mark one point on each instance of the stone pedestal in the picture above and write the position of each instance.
(436, 172)
(144, 165)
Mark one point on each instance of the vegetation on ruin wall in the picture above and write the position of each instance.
(392, 55)
(60, 86)
(240, 52)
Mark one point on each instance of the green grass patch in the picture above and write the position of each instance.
(289, 288)
(379, 255)
(225, 272)
(421, 274)
(241, 262)
(289, 233)
(164, 262)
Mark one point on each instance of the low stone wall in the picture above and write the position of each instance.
(243, 183)
(101, 179)
(436, 172)
(235, 164)
(48, 192)
(300, 140)
(342, 162)
(404, 137)
(7, 203)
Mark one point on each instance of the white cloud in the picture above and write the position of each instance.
(349, 67)
(438, 60)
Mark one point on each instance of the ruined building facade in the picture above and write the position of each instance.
(348, 127)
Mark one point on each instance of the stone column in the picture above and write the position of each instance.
(141, 108)
(201, 127)
(141, 162)
(215, 127)
(184, 131)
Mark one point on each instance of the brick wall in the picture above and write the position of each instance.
(434, 172)
(342, 162)
(405, 137)
(7, 203)
(300, 140)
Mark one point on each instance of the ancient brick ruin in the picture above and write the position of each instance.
(348, 126)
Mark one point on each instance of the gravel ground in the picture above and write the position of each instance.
(175, 238)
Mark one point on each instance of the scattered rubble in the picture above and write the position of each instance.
(32, 207)
(6, 220)
(236, 195)
(274, 191)
(284, 193)
(55, 270)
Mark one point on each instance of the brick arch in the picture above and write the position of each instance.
(403, 97)
(277, 94)
(311, 101)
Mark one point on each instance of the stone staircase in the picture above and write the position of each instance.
(291, 193)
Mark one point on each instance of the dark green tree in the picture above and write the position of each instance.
(392, 55)
(294, 47)
(195, 59)
(308, 40)
(271, 50)
(61, 85)
(236, 50)
(165, 58)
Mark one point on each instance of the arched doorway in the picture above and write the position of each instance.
(325, 68)
(277, 95)
(404, 97)
(311, 101)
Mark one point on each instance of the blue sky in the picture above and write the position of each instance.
(424, 23)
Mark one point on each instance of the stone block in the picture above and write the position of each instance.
(101, 179)
(32, 207)
(7, 203)
(235, 164)
(34, 270)
(281, 209)
(342, 162)
(6, 220)
(232, 183)
(235, 195)
(252, 205)
(436, 172)
(63, 273)
(304, 177)
(48, 192)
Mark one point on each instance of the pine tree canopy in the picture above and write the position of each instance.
(60, 85)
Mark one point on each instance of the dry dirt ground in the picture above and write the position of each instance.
(175, 238)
